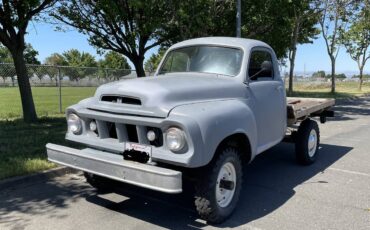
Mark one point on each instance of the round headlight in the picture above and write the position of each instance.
(175, 139)
(74, 123)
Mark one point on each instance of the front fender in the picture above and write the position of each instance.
(216, 120)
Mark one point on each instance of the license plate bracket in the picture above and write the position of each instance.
(137, 152)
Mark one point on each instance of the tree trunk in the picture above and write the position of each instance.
(139, 66)
(293, 47)
(291, 71)
(29, 112)
(291, 74)
(361, 80)
(332, 74)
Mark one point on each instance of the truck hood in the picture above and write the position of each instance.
(156, 96)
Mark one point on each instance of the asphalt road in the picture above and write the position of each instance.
(334, 193)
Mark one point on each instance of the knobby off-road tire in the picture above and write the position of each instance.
(102, 184)
(213, 203)
(307, 142)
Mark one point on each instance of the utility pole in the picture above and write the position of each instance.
(238, 18)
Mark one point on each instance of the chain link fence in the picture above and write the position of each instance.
(58, 86)
(63, 76)
(46, 75)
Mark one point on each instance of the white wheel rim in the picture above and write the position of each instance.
(225, 196)
(312, 143)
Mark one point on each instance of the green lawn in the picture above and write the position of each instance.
(46, 100)
(22, 146)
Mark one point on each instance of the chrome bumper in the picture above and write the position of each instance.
(114, 167)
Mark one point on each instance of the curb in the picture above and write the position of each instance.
(43, 175)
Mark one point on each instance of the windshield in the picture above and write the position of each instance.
(205, 59)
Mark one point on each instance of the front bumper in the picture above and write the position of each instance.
(113, 166)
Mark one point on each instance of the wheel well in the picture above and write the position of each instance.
(240, 141)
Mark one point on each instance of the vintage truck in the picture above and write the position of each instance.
(213, 105)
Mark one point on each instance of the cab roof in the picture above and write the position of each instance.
(243, 43)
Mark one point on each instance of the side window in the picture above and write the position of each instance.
(260, 65)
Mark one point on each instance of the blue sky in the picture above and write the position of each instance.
(310, 57)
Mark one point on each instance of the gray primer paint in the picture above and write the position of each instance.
(208, 107)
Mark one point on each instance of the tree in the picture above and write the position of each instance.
(260, 21)
(14, 19)
(319, 74)
(333, 17)
(340, 76)
(56, 60)
(133, 27)
(127, 27)
(200, 18)
(357, 38)
(8, 71)
(30, 55)
(364, 76)
(81, 62)
(303, 29)
(5, 56)
(114, 60)
(114, 66)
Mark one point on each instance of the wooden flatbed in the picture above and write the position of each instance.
(301, 108)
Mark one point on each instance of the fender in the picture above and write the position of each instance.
(216, 121)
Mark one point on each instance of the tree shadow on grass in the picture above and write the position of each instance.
(22, 145)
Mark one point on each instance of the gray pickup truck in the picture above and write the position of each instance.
(213, 105)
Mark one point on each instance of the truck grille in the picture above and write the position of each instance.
(121, 99)
(127, 133)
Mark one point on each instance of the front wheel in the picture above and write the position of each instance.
(217, 192)
(307, 142)
(102, 184)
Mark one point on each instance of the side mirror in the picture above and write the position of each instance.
(266, 69)
(266, 66)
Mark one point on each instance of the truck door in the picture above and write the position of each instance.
(267, 98)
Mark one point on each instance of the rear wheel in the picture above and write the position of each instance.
(217, 192)
(307, 142)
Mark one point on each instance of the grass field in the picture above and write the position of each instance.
(22, 146)
(46, 100)
(343, 89)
